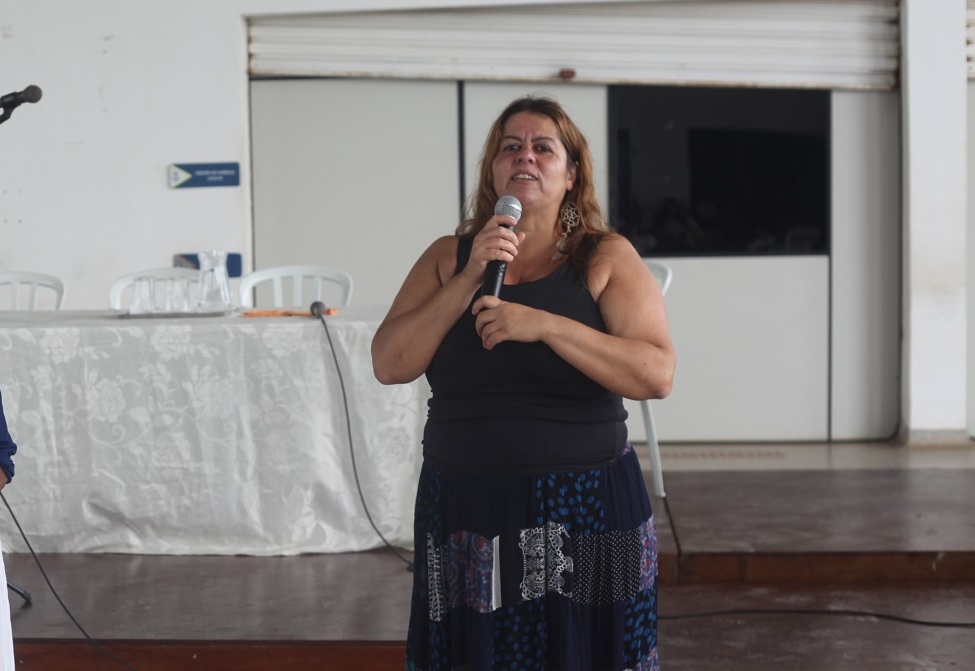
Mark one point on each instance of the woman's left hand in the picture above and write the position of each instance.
(498, 320)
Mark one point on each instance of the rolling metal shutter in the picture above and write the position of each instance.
(835, 44)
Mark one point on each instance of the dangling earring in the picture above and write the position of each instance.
(569, 221)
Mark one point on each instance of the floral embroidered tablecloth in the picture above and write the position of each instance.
(205, 435)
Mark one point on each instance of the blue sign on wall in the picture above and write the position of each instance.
(187, 175)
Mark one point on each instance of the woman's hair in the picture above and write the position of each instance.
(580, 244)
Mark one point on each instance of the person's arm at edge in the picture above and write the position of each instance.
(7, 450)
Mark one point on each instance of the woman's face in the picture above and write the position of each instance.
(531, 163)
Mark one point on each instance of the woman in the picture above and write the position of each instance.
(535, 545)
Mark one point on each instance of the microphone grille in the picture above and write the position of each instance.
(32, 94)
(509, 206)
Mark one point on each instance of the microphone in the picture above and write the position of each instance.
(318, 309)
(494, 273)
(31, 94)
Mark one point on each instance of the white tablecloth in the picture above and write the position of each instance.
(204, 435)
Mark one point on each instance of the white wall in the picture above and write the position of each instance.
(128, 89)
(934, 108)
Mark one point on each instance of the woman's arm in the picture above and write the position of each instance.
(432, 298)
(427, 305)
(635, 358)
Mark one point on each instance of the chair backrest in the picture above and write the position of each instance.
(117, 288)
(662, 273)
(315, 278)
(23, 289)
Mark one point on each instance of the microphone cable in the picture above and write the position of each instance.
(318, 309)
(794, 611)
(816, 613)
(96, 644)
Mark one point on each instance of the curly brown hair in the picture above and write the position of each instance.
(581, 243)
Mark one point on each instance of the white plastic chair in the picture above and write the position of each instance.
(663, 274)
(22, 280)
(318, 277)
(117, 288)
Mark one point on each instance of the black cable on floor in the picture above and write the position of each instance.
(673, 527)
(786, 611)
(98, 646)
(318, 309)
(797, 611)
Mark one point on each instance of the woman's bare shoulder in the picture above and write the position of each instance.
(443, 253)
(614, 244)
(445, 244)
(615, 258)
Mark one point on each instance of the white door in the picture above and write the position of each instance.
(364, 174)
(358, 174)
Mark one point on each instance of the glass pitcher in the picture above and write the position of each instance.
(214, 293)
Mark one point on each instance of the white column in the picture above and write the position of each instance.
(971, 261)
(934, 171)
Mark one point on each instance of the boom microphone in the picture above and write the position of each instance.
(494, 274)
(31, 94)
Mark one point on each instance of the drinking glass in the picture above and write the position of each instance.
(143, 296)
(178, 295)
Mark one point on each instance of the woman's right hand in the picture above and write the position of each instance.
(496, 241)
(432, 298)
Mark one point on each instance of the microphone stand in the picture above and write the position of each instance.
(10, 102)
(23, 593)
(7, 111)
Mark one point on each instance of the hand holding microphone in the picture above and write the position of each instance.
(494, 273)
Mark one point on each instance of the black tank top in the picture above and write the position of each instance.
(520, 407)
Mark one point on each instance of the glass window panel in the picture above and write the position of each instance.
(700, 171)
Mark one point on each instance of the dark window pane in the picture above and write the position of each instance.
(720, 171)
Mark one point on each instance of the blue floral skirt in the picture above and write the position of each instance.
(533, 572)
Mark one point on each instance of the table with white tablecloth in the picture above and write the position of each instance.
(205, 434)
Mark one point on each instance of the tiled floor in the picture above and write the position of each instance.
(772, 556)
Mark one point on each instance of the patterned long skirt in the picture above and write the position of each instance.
(533, 572)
